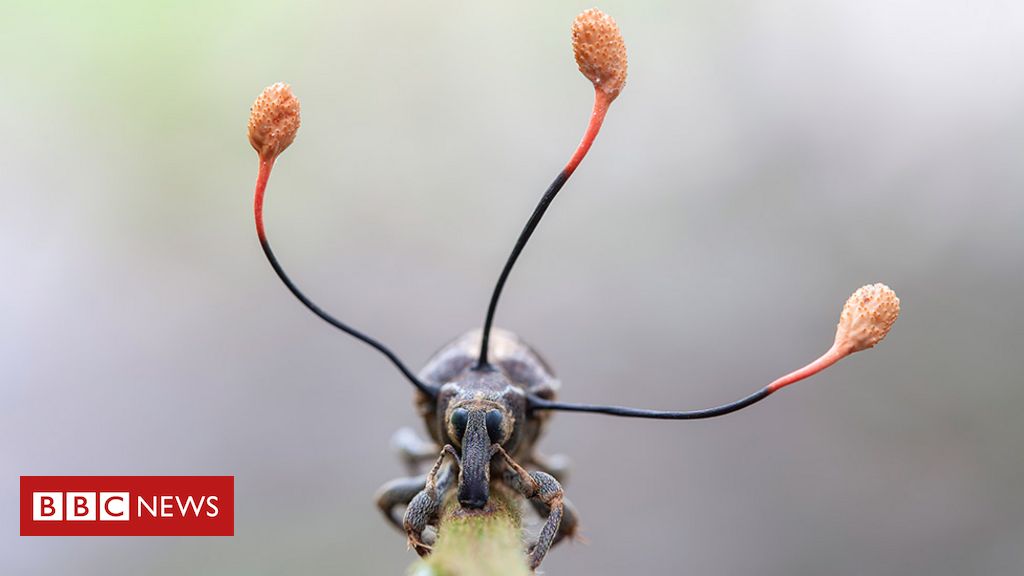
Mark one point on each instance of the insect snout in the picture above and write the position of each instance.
(476, 429)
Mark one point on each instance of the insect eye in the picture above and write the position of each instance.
(494, 419)
(460, 417)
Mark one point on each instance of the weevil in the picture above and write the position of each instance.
(486, 396)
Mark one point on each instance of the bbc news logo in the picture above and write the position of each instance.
(114, 506)
(50, 506)
(127, 505)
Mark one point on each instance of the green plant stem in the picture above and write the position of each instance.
(478, 543)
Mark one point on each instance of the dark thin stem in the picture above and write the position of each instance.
(524, 237)
(601, 103)
(261, 184)
(538, 403)
(829, 358)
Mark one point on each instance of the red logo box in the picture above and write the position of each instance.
(127, 505)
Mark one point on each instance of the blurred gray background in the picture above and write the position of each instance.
(764, 160)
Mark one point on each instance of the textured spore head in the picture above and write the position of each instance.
(867, 317)
(273, 120)
(600, 51)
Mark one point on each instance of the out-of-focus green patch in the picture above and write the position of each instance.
(488, 543)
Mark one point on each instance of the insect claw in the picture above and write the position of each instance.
(419, 546)
(450, 450)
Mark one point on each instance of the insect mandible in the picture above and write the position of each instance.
(485, 397)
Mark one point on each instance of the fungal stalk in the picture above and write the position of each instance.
(273, 123)
(601, 56)
(867, 317)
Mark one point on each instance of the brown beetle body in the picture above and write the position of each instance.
(483, 433)
(451, 369)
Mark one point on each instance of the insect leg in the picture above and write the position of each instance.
(398, 492)
(424, 507)
(542, 488)
(570, 519)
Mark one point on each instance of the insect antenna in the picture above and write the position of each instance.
(601, 56)
(866, 318)
(273, 123)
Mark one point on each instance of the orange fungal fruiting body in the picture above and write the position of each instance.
(600, 51)
(273, 121)
(867, 317)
